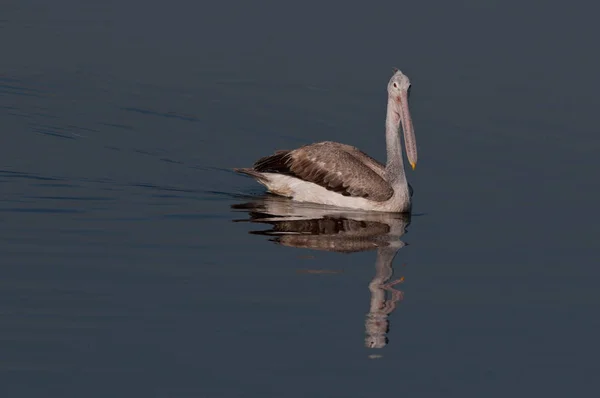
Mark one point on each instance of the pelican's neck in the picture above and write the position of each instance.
(394, 168)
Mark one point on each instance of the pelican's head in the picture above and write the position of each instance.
(398, 82)
(398, 93)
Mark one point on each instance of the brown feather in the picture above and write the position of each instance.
(276, 163)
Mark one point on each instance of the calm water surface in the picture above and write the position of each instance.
(133, 262)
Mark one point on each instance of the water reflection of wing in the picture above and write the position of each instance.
(320, 228)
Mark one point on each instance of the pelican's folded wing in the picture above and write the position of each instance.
(332, 166)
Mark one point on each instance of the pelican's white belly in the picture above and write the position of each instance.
(303, 191)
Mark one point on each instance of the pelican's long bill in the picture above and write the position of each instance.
(409, 133)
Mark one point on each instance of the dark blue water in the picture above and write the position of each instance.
(134, 262)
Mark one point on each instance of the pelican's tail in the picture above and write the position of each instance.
(260, 177)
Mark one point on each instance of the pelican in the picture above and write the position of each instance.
(335, 174)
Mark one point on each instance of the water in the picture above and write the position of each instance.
(135, 263)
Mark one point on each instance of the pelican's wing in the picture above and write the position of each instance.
(333, 166)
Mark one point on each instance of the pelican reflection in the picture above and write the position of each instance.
(339, 230)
